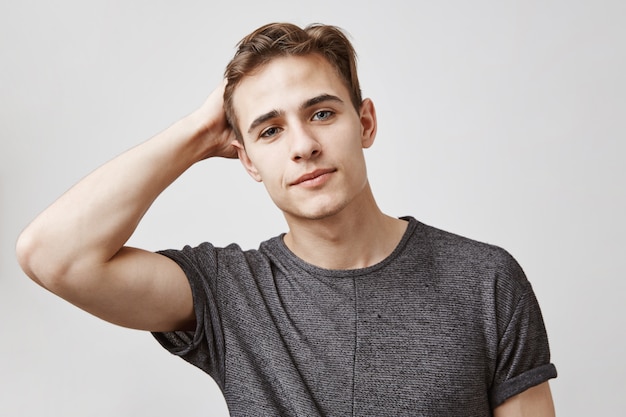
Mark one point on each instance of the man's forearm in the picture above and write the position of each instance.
(93, 220)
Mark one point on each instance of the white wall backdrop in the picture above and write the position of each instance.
(501, 121)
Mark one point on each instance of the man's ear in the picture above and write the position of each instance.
(368, 123)
(246, 162)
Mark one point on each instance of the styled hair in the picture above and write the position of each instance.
(284, 39)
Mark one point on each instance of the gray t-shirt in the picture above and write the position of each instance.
(444, 326)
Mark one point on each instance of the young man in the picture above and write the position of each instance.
(351, 312)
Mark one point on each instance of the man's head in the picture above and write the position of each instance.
(282, 40)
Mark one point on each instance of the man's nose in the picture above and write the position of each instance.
(304, 145)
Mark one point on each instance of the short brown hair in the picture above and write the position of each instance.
(285, 39)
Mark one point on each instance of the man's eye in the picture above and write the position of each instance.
(269, 132)
(322, 115)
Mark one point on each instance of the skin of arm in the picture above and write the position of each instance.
(534, 402)
(75, 248)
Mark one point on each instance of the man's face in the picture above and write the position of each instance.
(303, 137)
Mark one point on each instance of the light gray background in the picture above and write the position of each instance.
(499, 120)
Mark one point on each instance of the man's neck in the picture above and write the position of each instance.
(357, 237)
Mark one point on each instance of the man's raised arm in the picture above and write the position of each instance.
(75, 248)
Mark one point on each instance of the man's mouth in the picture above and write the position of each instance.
(314, 177)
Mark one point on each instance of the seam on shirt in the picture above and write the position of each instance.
(356, 338)
(518, 303)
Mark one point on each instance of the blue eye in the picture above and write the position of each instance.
(269, 132)
(322, 115)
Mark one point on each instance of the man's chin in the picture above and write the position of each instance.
(324, 212)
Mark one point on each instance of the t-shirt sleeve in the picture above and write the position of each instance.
(203, 347)
(523, 357)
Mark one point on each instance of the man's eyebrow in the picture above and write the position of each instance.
(320, 99)
(264, 118)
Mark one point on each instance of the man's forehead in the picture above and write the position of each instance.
(286, 82)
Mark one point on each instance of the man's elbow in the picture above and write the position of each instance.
(39, 261)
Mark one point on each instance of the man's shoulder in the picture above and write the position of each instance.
(207, 253)
(444, 240)
(455, 251)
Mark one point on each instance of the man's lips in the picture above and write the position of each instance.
(312, 175)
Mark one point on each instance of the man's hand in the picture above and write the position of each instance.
(214, 129)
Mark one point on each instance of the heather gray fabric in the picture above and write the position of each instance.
(445, 326)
